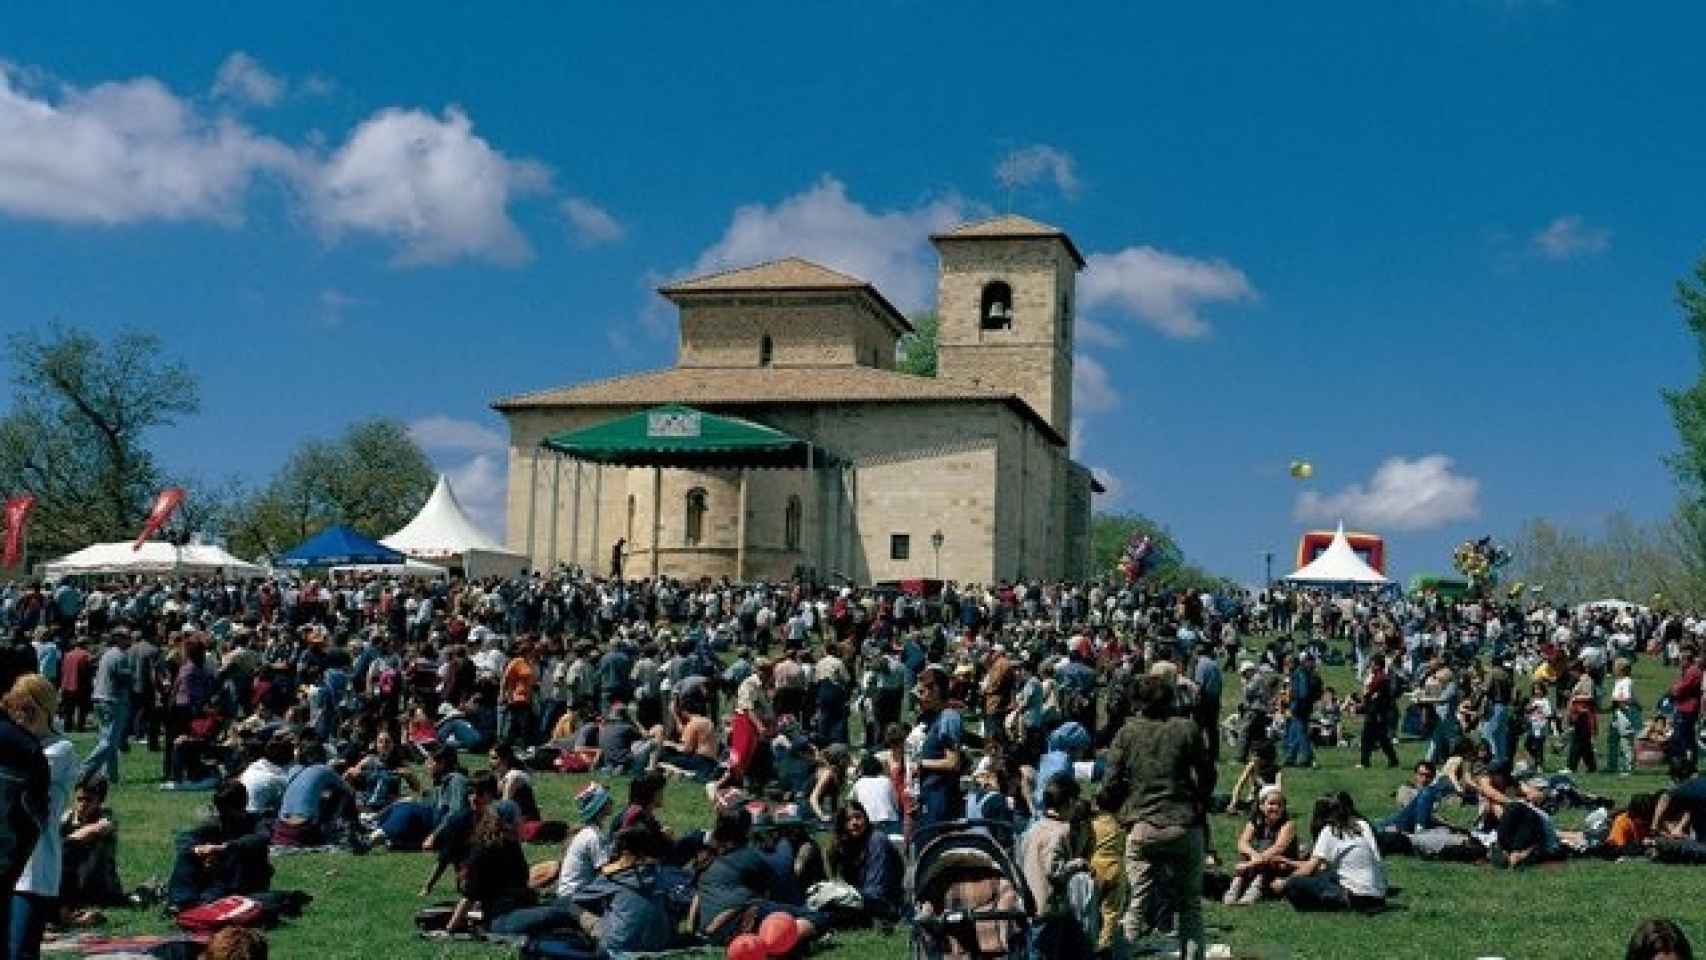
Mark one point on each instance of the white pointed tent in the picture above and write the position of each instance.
(442, 530)
(1338, 564)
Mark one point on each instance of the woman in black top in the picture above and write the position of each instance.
(494, 873)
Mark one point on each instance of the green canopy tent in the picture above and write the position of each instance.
(673, 437)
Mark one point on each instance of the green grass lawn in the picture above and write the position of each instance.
(363, 906)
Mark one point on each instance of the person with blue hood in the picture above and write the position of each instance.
(1066, 745)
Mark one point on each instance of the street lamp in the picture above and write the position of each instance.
(936, 545)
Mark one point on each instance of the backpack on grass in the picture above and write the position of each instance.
(222, 913)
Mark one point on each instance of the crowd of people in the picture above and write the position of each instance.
(836, 733)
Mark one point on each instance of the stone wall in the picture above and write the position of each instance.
(1032, 357)
(814, 330)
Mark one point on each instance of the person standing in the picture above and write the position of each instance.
(1210, 683)
(939, 795)
(1162, 764)
(25, 783)
(1685, 697)
(1378, 706)
(516, 697)
(32, 704)
(145, 689)
(1305, 690)
(76, 676)
(113, 682)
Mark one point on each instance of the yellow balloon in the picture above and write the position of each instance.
(1302, 469)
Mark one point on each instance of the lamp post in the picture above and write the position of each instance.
(1268, 567)
(936, 545)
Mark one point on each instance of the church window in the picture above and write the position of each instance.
(900, 546)
(791, 524)
(695, 516)
(996, 311)
(766, 351)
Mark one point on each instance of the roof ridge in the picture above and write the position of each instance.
(599, 382)
(772, 262)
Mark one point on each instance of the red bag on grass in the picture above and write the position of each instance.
(221, 913)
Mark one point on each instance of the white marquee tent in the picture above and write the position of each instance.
(1338, 564)
(155, 557)
(410, 567)
(442, 530)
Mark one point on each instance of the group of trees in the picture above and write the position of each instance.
(1626, 559)
(1109, 534)
(78, 436)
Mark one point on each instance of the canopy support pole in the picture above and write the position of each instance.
(657, 516)
(575, 521)
(597, 512)
(556, 500)
(532, 506)
(812, 512)
(740, 532)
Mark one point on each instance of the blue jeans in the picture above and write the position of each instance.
(1298, 749)
(1493, 731)
(29, 913)
(1418, 814)
(114, 717)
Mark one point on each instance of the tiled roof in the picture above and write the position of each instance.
(1009, 226)
(765, 385)
(789, 273)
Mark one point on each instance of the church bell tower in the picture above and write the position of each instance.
(1005, 307)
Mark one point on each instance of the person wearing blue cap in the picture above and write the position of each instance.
(586, 851)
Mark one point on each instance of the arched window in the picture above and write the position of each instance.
(695, 516)
(766, 350)
(997, 309)
(791, 524)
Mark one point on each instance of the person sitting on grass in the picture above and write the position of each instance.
(90, 874)
(633, 905)
(515, 788)
(492, 875)
(1267, 849)
(586, 850)
(223, 855)
(1344, 870)
(1523, 833)
(266, 776)
(865, 859)
(415, 824)
(1426, 791)
(317, 806)
(1261, 772)
(736, 888)
(645, 799)
(695, 751)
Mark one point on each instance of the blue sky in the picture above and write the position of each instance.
(1432, 250)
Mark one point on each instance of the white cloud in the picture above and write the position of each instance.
(1161, 289)
(448, 434)
(481, 483)
(1080, 437)
(1568, 237)
(1112, 483)
(1093, 391)
(123, 153)
(1098, 334)
(243, 79)
(593, 225)
(1418, 494)
(890, 248)
(1036, 163)
(430, 184)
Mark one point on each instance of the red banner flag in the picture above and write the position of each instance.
(17, 515)
(164, 504)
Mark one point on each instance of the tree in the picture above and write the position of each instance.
(1688, 414)
(918, 348)
(1627, 561)
(373, 478)
(1109, 534)
(75, 437)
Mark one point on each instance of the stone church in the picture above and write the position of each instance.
(966, 476)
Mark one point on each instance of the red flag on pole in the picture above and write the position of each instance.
(17, 515)
(164, 504)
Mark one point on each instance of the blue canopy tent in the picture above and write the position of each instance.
(339, 546)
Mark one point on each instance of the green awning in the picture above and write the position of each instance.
(680, 436)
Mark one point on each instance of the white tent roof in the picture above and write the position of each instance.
(155, 557)
(1338, 564)
(442, 529)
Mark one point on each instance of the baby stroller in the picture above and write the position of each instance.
(970, 899)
